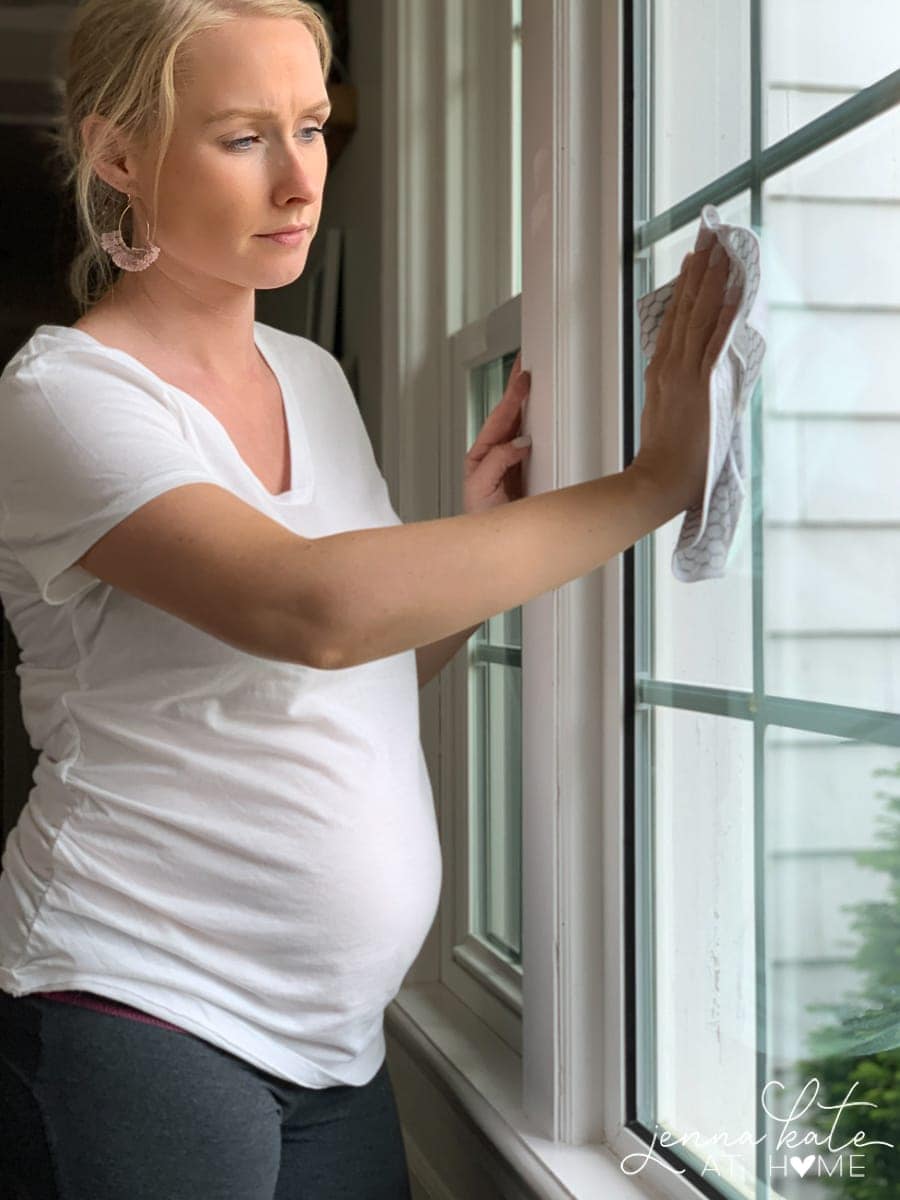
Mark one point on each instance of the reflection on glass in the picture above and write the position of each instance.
(698, 1010)
(833, 966)
(700, 84)
(495, 741)
(818, 53)
(832, 422)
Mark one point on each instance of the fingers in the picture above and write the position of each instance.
(719, 334)
(707, 316)
(664, 337)
(698, 316)
(495, 466)
(698, 319)
(505, 418)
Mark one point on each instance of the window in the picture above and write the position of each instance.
(454, 321)
(705, 818)
(495, 744)
(765, 753)
(482, 948)
(538, 1037)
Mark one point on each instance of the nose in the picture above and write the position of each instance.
(300, 174)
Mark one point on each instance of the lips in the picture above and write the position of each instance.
(287, 229)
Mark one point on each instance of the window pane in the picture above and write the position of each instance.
(832, 422)
(703, 632)
(700, 84)
(698, 1013)
(497, 907)
(833, 920)
(818, 53)
(495, 740)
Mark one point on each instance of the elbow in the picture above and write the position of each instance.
(324, 650)
(304, 638)
(326, 636)
(326, 644)
(328, 657)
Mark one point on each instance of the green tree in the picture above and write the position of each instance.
(858, 1051)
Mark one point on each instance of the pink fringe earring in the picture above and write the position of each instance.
(124, 256)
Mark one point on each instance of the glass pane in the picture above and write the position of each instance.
(818, 53)
(697, 1023)
(832, 965)
(832, 422)
(495, 740)
(500, 833)
(516, 109)
(700, 87)
(703, 632)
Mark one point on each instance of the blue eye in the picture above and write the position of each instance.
(238, 145)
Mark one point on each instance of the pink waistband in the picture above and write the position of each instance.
(104, 1004)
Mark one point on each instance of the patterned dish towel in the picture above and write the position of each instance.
(708, 530)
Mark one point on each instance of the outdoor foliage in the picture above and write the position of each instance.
(858, 1051)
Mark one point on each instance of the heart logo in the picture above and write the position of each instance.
(802, 1165)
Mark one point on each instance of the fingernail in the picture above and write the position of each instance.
(733, 294)
(523, 439)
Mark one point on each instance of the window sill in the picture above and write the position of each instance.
(481, 1076)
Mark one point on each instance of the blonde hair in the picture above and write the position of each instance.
(123, 63)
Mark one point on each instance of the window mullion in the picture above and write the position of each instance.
(868, 103)
(760, 892)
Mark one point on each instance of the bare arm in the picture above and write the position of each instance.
(201, 553)
(399, 587)
(403, 586)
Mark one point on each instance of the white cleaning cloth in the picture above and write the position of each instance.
(707, 530)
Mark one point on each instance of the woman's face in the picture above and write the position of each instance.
(226, 180)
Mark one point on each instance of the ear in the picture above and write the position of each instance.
(113, 161)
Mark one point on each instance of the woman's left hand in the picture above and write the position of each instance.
(493, 473)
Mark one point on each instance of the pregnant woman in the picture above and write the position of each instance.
(229, 858)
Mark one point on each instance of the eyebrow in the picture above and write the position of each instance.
(324, 106)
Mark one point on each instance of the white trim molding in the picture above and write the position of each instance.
(550, 1121)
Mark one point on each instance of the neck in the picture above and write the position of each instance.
(215, 339)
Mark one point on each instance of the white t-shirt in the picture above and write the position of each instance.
(246, 848)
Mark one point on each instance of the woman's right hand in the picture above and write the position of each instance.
(675, 418)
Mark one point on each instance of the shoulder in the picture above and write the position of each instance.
(60, 354)
(55, 379)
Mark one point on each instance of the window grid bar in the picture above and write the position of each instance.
(761, 974)
(645, 934)
(842, 119)
(477, 823)
(493, 652)
(832, 720)
(478, 709)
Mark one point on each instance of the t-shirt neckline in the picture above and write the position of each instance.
(300, 458)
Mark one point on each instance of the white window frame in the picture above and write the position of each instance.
(482, 979)
(556, 1111)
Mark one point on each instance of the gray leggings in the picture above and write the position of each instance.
(95, 1106)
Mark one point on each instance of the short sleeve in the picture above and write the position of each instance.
(84, 442)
